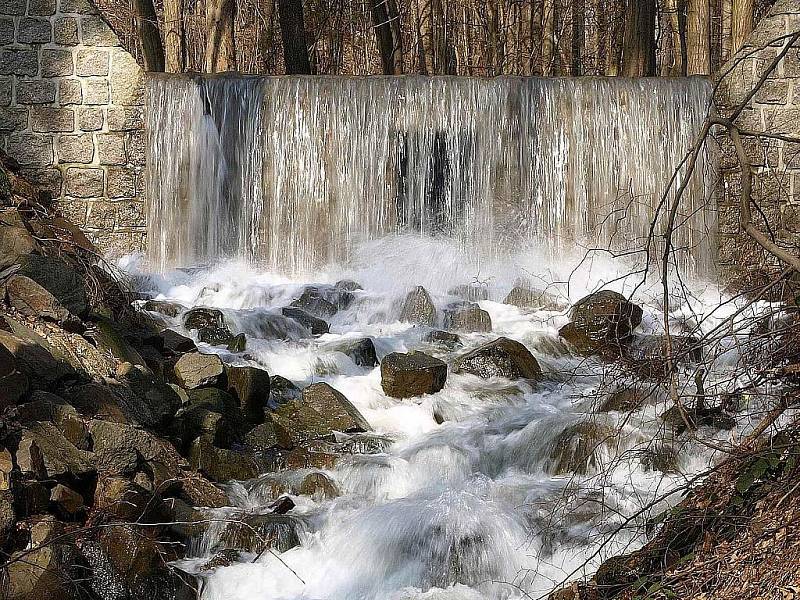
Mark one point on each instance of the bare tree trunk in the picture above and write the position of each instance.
(677, 67)
(174, 42)
(615, 31)
(147, 28)
(698, 38)
(548, 37)
(385, 21)
(220, 44)
(726, 33)
(742, 23)
(578, 37)
(639, 47)
(293, 34)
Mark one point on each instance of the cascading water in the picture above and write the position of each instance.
(292, 172)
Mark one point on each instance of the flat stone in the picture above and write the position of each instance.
(196, 370)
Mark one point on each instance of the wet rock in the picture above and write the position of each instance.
(698, 416)
(418, 308)
(302, 458)
(265, 436)
(523, 297)
(48, 573)
(186, 522)
(14, 384)
(32, 300)
(625, 400)
(210, 326)
(237, 343)
(199, 491)
(313, 324)
(282, 505)
(258, 533)
(314, 302)
(468, 318)
(577, 448)
(44, 452)
(111, 339)
(319, 486)
(67, 503)
(445, 339)
(175, 344)
(471, 292)
(282, 391)
(412, 374)
(300, 423)
(647, 354)
(661, 457)
(348, 285)
(602, 323)
(161, 400)
(124, 500)
(338, 411)
(360, 351)
(219, 464)
(251, 387)
(223, 558)
(197, 370)
(164, 307)
(119, 448)
(500, 358)
(361, 443)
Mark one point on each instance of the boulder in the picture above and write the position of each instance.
(347, 285)
(413, 374)
(500, 358)
(48, 573)
(123, 500)
(164, 307)
(195, 370)
(16, 241)
(30, 299)
(471, 292)
(281, 391)
(43, 406)
(120, 448)
(58, 278)
(602, 323)
(625, 400)
(577, 448)
(264, 437)
(45, 453)
(338, 411)
(418, 308)
(102, 401)
(199, 491)
(219, 464)
(237, 343)
(313, 324)
(14, 384)
(210, 325)
(161, 400)
(173, 343)
(360, 351)
(66, 502)
(468, 318)
(526, 298)
(110, 338)
(298, 423)
(42, 369)
(282, 505)
(319, 487)
(444, 339)
(251, 387)
(257, 533)
(314, 302)
(212, 412)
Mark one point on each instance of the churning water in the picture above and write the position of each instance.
(473, 492)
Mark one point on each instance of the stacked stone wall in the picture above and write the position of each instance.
(71, 113)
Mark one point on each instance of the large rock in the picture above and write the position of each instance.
(66, 502)
(173, 343)
(298, 423)
(500, 358)
(210, 325)
(526, 298)
(468, 318)
(43, 370)
(164, 307)
(360, 351)
(211, 412)
(338, 411)
(319, 486)
(418, 308)
(43, 406)
(577, 449)
(110, 338)
(313, 324)
(120, 448)
(258, 533)
(282, 391)
(62, 281)
(123, 500)
(219, 464)
(602, 323)
(413, 374)
(161, 400)
(48, 573)
(314, 302)
(266, 436)
(44, 452)
(30, 299)
(196, 370)
(471, 292)
(251, 387)
(444, 339)
(15, 239)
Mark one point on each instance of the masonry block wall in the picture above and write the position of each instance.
(71, 113)
(775, 109)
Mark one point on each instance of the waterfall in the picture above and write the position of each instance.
(292, 172)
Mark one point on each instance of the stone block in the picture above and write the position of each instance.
(31, 149)
(13, 7)
(120, 183)
(5, 91)
(783, 121)
(135, 145)
(6, 31)
(47, 120)
(76, 148)
(768, 31)
(65, 31)
(774, 91)
(48, 179)
(790, 218)
(84, 183)
(42, 8)
(95, 32)
(36, 91)
(57, 63)
(69, 92)
(19, 62)
(127, 80)
(111, 149)
(13, 119)
(34, 31)
(92, 62)
(80, 7)
(125, 118)
(74, 210)
(101, 214)
(95, 91)
(131, 214)
(90, 119)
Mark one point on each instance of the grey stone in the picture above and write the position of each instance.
(84, 183)
(125, 118)
(19, 62)
(36, 91)
(42, 8)
(14, 7)
(95, 32)
(46, 120)
(92, 62)
(81, 7)
(90, 119)
(131, 214)
(5, 91)
(111, 149)
(469, 318)
(31, 149)
(65, 31)
(69, 92)
(13, 119)
(34, 31)
(339, 412)
(6, 31)
(120, 183)
(57, 63)
(195, 370)
(101, 215)
(75, 148)
(135, 148)
(127, 80)
(96, 91)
